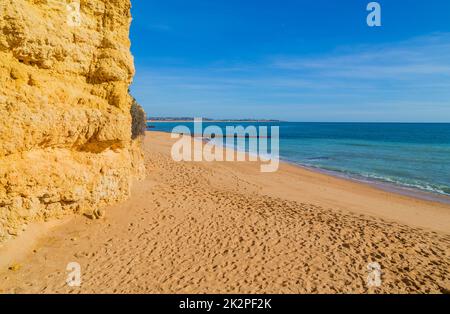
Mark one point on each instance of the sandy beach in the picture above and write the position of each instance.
(225, 227)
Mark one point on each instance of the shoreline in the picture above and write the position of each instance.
(379, 184)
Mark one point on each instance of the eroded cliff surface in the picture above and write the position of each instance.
(65, 124)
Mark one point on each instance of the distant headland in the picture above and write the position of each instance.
(190, 119)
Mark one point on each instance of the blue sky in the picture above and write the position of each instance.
(314, 60)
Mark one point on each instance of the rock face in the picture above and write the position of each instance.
(65, 124)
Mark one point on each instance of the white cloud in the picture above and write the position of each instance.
(369, 81)
(420, 56)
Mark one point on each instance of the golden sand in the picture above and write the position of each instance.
(228, 228)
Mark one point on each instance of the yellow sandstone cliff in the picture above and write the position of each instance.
(65, 124)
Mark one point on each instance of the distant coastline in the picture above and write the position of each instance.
(189, 119)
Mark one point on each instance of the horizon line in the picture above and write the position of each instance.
(175, 119)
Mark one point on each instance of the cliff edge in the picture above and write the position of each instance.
(65, 123)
